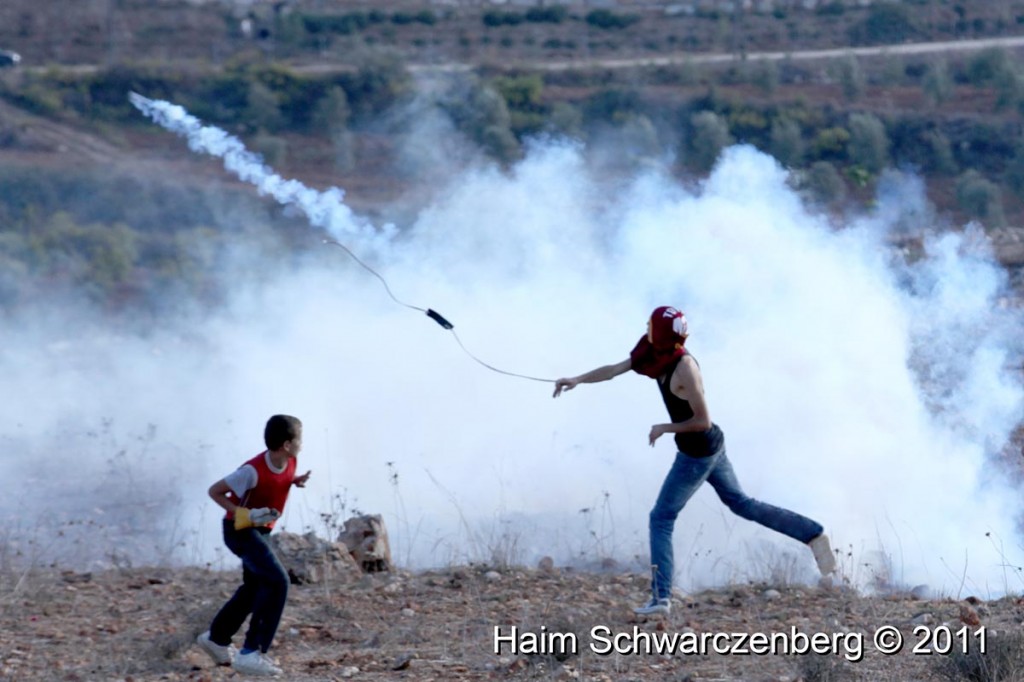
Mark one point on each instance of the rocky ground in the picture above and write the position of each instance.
(139, 624)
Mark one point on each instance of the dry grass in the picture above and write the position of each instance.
(139, 624)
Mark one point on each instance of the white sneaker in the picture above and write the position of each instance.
(654, 606)
(255, 663)
(221, 655)
(823, 554)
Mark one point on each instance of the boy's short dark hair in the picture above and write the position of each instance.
(280, 429)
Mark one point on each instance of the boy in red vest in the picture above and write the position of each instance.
(254, 496)
(661, 354)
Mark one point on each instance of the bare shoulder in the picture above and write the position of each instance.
(686, 375)
(688, 365)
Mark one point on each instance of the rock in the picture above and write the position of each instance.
(771, 595)
(310, 559)
(922, 619)
(367, 540)
(921, 592)
(968, 616)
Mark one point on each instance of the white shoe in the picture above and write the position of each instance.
(823, 554)
(654, 606)
(255, 663)
(221, 655)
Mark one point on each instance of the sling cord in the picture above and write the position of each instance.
(432, 314)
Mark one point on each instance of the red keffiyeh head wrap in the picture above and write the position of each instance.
(656, 351)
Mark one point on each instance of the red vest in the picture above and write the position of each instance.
(271, 488)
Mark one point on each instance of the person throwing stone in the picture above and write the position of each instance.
(661, 354)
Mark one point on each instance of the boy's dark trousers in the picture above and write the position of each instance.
(263, 591)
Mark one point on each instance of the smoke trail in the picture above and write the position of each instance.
(323, 209)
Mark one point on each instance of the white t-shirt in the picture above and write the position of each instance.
(244, 478)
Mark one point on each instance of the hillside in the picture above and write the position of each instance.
(138, 625)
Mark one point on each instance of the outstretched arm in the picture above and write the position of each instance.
(592, 377)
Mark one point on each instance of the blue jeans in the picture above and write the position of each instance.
(683, 479)
(263, 591)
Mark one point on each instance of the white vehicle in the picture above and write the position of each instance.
(8, 58)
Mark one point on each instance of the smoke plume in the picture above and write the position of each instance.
(868, 388)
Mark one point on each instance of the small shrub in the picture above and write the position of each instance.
(831, 9)
(565, 119)
(549, 15)
(886, 22)
(709, 135)
(869, 143)
(331, 112)
(937, 85)
(494, 18)
(830, 144)
(1003, 661)
(607, 19)
(274, 150)
(786, 142)
(985, 66)
(980, 198)
(940, 150)
(823, 183)
(425, 16)
(765, 75)
(1009, 86)
(851, 77)
(263, 109)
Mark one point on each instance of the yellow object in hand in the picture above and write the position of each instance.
(248, 518)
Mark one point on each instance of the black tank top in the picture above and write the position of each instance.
(692, 443)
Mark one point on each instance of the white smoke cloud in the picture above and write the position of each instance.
(868, 393)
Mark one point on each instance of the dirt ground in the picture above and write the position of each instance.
(139, 624)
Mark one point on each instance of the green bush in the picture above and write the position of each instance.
(941, 159)
(1009, 86)
(980, 198)
(549, 15)
(765, 75)
(611, 105)
(332, 111)
(341, 24)
(851, 77)
(831, 9)
(480, 112)
(868, 147)
(262, 108)
(937, 84)
(786, 142)
(709, 135)
(1015, 172)
(494, 18)
(886, 22)
(607, 19)
(380, 80)
(565, 119)
(823, 183)
(830, 144)
(986, 66)
(425, 16)
(521, 92)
